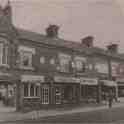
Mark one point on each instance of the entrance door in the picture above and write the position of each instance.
(57, 95)
(45, 95)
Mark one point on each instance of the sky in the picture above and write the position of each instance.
(103, 19)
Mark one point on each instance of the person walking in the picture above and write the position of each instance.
(110, 99)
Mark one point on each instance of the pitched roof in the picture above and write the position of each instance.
(57, 42)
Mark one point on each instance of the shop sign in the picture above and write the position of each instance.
(66, 79)
(88, 81)
(32, 78)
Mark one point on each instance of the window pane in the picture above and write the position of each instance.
(37, 91)
(32, 90)
(26, 59)
(25, 90)
(64, 65)
(1, 52)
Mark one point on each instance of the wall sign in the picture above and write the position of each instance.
(66, 79)
(88, 81)
(32, 78)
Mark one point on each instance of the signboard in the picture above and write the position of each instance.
(66, 79)
(88, 81)
(32, 78)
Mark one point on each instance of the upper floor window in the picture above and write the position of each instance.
(3, 54)
(64, 62)
(26, 54)
(80, 64)
(42, 60)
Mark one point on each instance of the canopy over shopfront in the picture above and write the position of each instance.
(108, 83)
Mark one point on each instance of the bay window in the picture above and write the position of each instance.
(80, 64)
(3, 54)
(26, 56)
(64, 62)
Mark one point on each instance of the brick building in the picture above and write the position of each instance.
(38, 70)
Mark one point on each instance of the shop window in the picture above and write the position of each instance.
(26, 94)
(26, 56)
(64, 65)
(45, 95)
(37, 91)
(31, 90)
(58, 95)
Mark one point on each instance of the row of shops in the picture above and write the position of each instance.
(38, 91)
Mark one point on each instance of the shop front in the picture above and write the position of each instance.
(7, 89)
(33, 91)
(108, 87)
(120, 84)
(66, 90)
(89, 89)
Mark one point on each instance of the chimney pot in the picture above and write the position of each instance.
(52, 31)
(88, 41)
(113, 48)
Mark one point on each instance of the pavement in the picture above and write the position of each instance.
(9, 114)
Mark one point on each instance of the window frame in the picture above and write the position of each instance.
(4, 53)
(29, 52)
(82, 61)
(34, 90)
(64, 58)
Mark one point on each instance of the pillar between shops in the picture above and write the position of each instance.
(19, 95)
(99, 94)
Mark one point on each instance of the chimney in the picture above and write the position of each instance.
(88, 41)
(52, 31)
(113, 48)
(7, 10)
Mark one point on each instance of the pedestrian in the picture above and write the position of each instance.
(110, 99)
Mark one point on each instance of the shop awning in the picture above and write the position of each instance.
(88, 81)
(64, 79)
(32, 78)
(108, 83)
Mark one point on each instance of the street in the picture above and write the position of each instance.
(113, 115)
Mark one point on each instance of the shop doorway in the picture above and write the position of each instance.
(70, 94)
(7, 97)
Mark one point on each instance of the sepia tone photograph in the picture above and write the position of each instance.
(61, 61)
